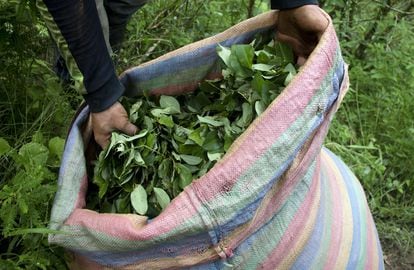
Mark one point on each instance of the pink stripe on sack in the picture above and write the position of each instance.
(263, 132)
(110, 224)
(337, 220)
(293, 234)
(135, 227)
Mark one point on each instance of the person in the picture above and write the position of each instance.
(77, 25)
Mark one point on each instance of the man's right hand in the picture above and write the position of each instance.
(112, 119)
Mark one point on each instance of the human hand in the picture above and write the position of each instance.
(301, 28)
(113, 118)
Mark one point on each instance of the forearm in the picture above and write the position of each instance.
(287, 4)
(79, 25)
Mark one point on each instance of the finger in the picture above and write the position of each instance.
(301, 60)
(300, 53)
(294, 43)
(297, 45)
(128, 128)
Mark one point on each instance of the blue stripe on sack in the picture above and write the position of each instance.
(337, 81)
(354, 256)
(206, 54)
(190, 244)
(207, 266)
(379, 248)
(309, 253)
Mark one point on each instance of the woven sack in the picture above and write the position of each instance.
(276, 200)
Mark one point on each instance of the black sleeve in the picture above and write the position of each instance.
(286, 4)
(79, 24)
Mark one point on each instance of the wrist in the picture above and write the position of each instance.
(104, 97)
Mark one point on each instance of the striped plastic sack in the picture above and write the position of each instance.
(276, 200)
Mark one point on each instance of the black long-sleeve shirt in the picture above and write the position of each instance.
(78, 23)
(287, 4)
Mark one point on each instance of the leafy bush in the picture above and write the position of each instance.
(26, 200)
(374, 129)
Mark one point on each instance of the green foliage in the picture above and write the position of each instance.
(373, 130)
(25, 204)
(182, 137)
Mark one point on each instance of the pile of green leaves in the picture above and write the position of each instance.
(182, 137)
